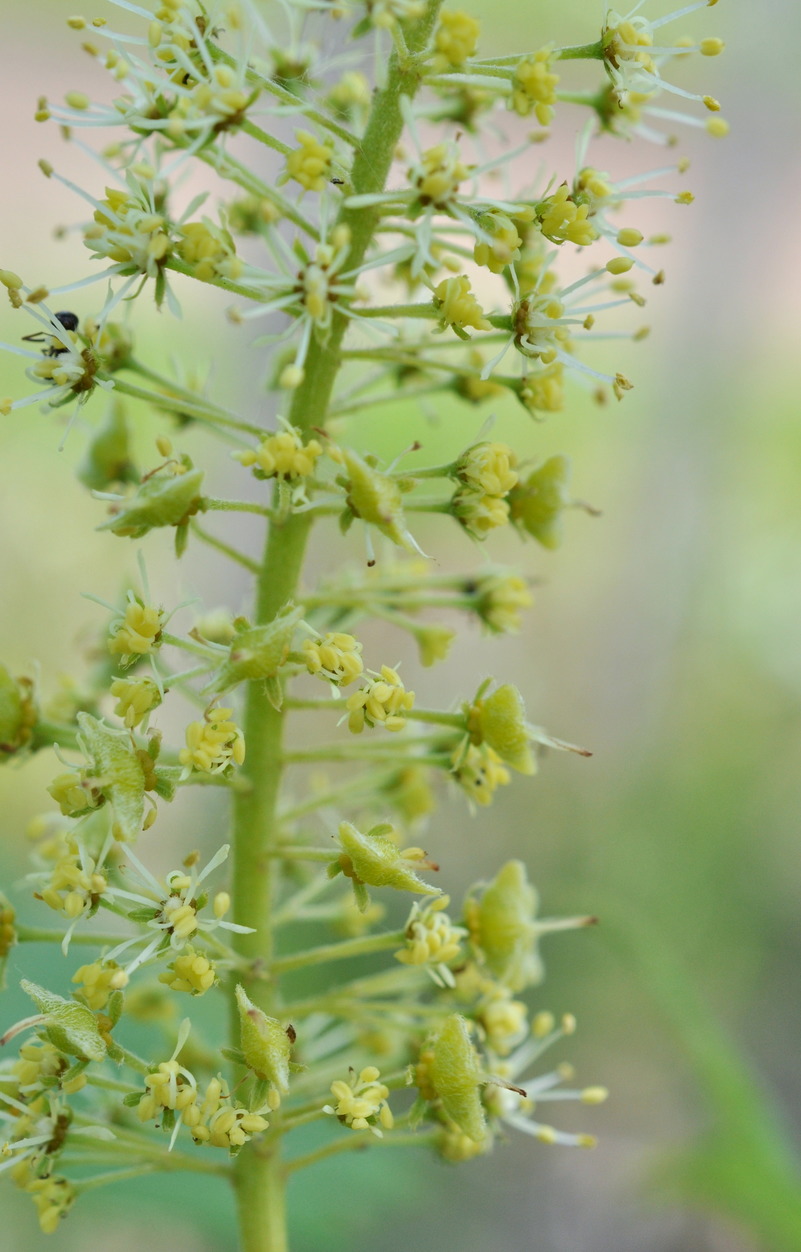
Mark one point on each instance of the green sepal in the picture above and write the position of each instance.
(456, 1077)
(181, 539)
(117, 767)
(161, 500)
(113, 1009)
(132, 1099)
(274, 691)
(500, 721)
(361, 896)
(69, 1026)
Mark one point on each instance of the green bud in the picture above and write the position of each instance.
(536, 505)
(108, 459)
(71, 1027)
(376, 498)
(376, 860)
(265, 1043)
(455, 1076)
(499, 721)
(117, 766)
(17, 712)
(258, 652)
(162, 500)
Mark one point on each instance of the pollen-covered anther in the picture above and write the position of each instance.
(534, 86)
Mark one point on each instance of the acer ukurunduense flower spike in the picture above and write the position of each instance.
(447, 1005)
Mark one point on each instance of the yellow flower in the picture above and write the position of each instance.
(362, 1102)
(457, 38)
(499, 599)
(502, 245)
(283, 455)
(438, 175)
(190, 971)
(488, 467)
(478, 512)
(432, 940)
(534, 86)
(213, 744)
(457, 306)
(564, 221)
(138, 631)
(336, 657)
(480, 772)
(97, 981)
(310, 164)
(384, 700)
(136, 697)
(209, 251)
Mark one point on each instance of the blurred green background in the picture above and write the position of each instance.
(665, 636)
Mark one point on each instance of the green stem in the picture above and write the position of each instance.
(359, 1141)
(36, 934)
(233, 554)
(337, 951)
(260, 1177)
(176, 403)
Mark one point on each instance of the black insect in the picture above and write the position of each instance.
(54, 347)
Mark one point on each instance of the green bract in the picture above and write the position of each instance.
(119, 771)
(503, 929)
(161, 500)
(265, 1043)
(257, 652)
(69, 1026)
(536, 505)
(499, 721)
(376, 860)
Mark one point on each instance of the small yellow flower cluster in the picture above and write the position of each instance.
(438, 175)
(212, 1120)
(53, 1197)
(335, 657)
(499, 601)
(128, 232)
(191, 971)
(97, 981)
(457, 306)
(310, 164)
(384, 700)
(502, 243)
(350, 94)
(534, 86)
(8, 932)
(537, 325)
(543, 391)
(361, 1101)
(504, 1021)
(563, 221)
(136, 697)
(486, 472)
(209, 251)
(432, 940)
(72, 889)
(480, 771)
(38, 1062)
(214, 744)
(457, 38)
(283, 455)
(387, 12)
(137, 632)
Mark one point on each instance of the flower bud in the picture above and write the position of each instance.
(502, 927)
(108, 459)
(17, 712)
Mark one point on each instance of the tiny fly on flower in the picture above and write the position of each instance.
(54, 346)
